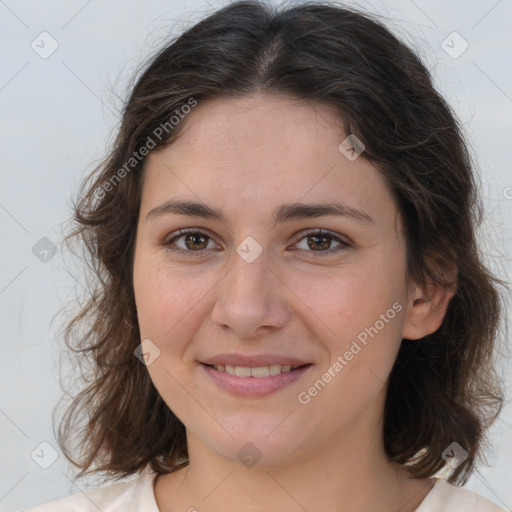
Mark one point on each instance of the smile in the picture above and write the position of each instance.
(253, 381)
(259, 371)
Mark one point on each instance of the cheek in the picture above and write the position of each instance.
(362, 310)
(365, 311)
(351, 299)
(168, 300)
(168, 307)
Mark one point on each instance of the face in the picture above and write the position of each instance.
(266, 284)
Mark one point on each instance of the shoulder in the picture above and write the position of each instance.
(134, 495)
(445, 497)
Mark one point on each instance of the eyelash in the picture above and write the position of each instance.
(304, 234)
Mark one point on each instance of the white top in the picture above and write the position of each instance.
(138, 496)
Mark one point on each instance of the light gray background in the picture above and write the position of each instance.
(59, 113)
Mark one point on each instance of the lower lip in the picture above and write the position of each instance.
(254, 386)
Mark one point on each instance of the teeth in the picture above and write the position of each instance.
(274, 369)
(260, 371)
(241, 371)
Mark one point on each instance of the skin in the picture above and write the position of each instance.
(247, 156)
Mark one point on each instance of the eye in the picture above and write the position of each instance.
(320, 241)
(191, 241)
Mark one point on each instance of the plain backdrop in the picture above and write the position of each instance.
(65, 67)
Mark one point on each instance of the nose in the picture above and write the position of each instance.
(251, 299)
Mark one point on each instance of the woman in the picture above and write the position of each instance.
(292, 312)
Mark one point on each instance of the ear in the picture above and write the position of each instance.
(426, 309)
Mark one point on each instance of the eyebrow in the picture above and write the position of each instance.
(283, 213)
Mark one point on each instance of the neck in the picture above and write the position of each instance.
(349, 475)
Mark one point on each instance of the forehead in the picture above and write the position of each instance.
(255, 151)
(220, 128)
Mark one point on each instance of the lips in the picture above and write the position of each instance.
(254, 375)
(257, 365)
(253, 361)
(255, 371)
(236, 381)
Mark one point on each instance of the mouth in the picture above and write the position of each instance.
(255, 371)
(254, 381)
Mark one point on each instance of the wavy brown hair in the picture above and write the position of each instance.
(442, 388)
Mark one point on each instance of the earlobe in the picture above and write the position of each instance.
(426, 310)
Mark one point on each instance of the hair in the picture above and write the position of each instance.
(442, 388)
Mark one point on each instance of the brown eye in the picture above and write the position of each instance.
(321, 242)
(196, 241)
(188, 242)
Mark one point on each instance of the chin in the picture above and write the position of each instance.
(255, 443)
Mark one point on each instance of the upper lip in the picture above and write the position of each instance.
(253, 361)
